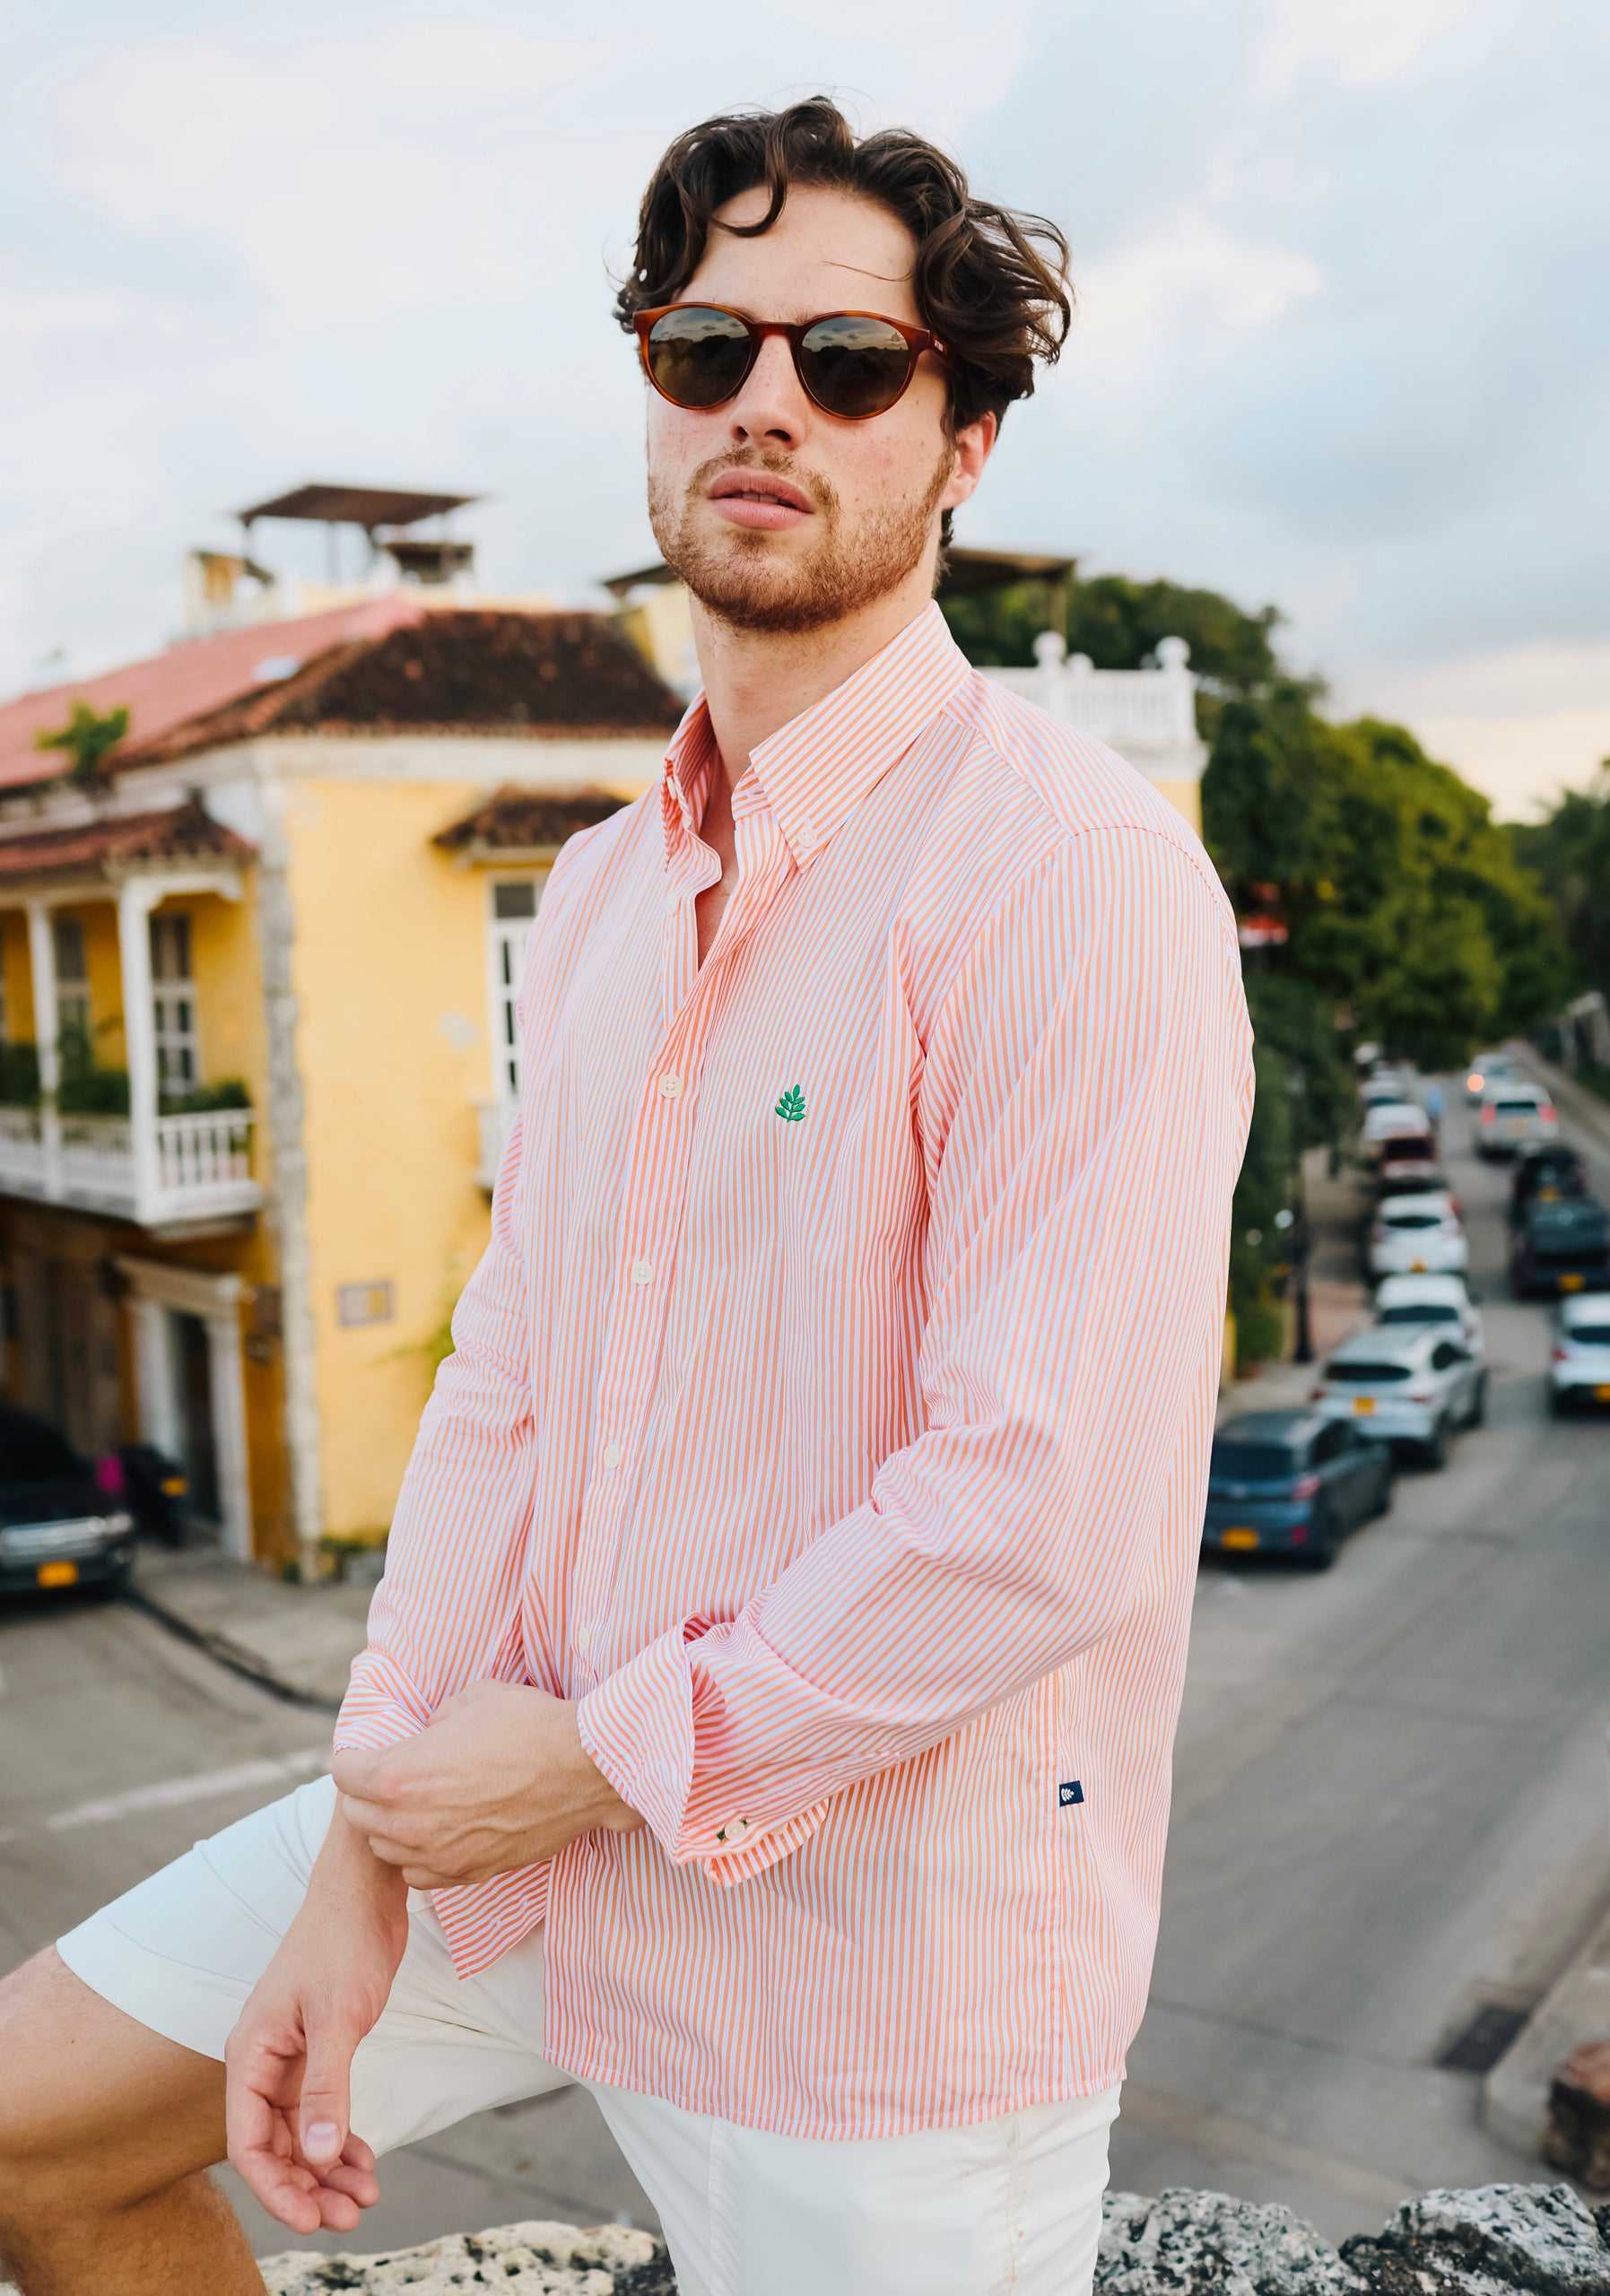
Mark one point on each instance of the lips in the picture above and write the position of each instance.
(757, 498)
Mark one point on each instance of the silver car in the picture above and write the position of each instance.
(1579, 1370)
(1515, 1116)
(1410, 1385)
(1443, 1299)
(1417, 1235)
(1487, 1069)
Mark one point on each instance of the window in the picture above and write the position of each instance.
(173, 1004)
(71, 982)
(514, 904)
(1332, 1442)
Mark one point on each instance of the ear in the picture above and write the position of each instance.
(974, 446)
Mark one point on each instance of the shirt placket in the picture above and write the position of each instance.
(655, 1196)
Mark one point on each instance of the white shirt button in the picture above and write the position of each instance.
(583, 1639)
(807, 832)
(612, 1455)
(672, 903)
(641, 1272)
(669, 1087)
(732, 1830)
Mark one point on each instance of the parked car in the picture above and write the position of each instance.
(1487, 1070)
(1417, 1235)
(153, 1486)
(1579, 1370)
(1431, 1300)
(63, 1518)
(1415, 1176)
(1383, 1084)
(1563, 1246)
(1294, 1483)
(1393, 1119)
(1407, 1148)
(1543, 1175)
(1412, 1386)
(1515, 1117)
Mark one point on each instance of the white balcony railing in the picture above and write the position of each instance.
(200, 1167)
(1148, 716)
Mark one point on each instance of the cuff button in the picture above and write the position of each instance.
(732, 1830)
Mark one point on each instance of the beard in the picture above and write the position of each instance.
(741, 579)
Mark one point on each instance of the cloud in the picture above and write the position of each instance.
(344, 178)
(1190, 280)
(1362, 41)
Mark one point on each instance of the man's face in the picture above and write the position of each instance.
(775, 514)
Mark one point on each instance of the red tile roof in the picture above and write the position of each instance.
(389, 665)
(481, 670)
(189, 679)
(529, 821)
(177, 833)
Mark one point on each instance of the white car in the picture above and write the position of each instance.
(1515, 1116)
(1386, 1084)
(1387, 1120)
(1487, 1069)
(1417, 1235)
(1411, 1387)
(1421, 1300)
(1579, 1370)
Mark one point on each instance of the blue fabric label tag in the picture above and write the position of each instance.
(1070, 1790)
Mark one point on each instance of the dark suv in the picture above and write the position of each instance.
(1545, 1175)
(1564, 1245)
(62, 1520)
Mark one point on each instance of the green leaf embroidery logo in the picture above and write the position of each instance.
(791, 1107)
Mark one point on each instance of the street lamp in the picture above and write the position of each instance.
(1302, 1349)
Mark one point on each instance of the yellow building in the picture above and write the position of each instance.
(257, 978)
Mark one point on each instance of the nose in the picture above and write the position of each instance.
(771, 410)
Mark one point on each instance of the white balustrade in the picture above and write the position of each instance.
(1148, 716)
(201, 1164)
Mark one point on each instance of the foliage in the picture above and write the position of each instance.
(19, 1075)
(229, 1092)
(1261, 1192)
(88, 737)
(1119, 623)
(1569, 853)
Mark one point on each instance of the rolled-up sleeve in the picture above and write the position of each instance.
(1081, 1110)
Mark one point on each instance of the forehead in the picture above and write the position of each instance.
(827, 251)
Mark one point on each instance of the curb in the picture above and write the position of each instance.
(224, 1651)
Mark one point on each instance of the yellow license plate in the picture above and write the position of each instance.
(1548, 1196)
(1416, 1267)
(57, 1574)
(1239, 1536)
(1363, 1403)
(1571, 1283)
(1602, 1395)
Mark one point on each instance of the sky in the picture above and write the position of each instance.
(1342, 345)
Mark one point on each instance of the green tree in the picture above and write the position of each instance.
(1569, 854)
(89, 738)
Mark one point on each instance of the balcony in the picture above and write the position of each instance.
(198, 1168)
(87, 942)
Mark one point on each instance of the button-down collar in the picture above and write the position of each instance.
(816, 769)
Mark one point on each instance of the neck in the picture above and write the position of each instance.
(757, 679)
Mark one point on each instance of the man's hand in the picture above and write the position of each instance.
(289, 2060)
(499, 1780)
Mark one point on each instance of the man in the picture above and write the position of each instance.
(776, 1667)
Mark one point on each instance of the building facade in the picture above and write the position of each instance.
(256, 1051)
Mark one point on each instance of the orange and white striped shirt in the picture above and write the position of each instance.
(831, 1410)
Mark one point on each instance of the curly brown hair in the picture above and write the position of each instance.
(982, 282)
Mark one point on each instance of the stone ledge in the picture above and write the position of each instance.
(1497, 2240)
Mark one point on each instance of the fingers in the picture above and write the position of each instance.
(323, 2124)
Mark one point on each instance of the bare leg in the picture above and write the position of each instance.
(107, 2131)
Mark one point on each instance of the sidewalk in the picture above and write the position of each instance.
(1586, 1110)
(298, 1641)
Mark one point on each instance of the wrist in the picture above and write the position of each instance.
(602, 1807)
(348, 1866)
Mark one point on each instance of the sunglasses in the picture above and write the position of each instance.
(852, 363)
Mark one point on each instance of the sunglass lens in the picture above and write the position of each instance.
(854, 366)
(699, 356)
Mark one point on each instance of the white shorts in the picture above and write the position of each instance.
(1009, 2203)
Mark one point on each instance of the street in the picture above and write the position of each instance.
(1390, 1815)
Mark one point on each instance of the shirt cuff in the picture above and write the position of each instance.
(642, 1727)
(381, 1707)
